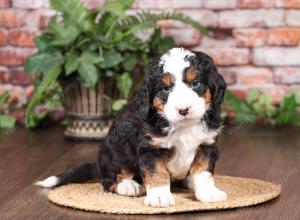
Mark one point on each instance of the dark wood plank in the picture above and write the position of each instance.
(256, 152)
(27, 156)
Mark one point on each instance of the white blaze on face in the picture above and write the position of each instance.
(181, 97)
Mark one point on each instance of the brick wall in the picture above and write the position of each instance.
(255, 43)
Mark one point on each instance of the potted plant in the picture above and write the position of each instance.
(95, 55)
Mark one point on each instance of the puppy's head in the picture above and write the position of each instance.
(184, 87)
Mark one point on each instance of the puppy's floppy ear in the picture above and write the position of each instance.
(217, 87)
(143, 99)
(145, 95)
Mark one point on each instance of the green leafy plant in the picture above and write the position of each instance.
(260, 107)
(92, 45)
(6, 121)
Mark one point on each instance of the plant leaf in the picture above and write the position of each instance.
(43, 61)
(49, 78)
(4, 98)
(130, 60)
(118, 104)
(72, 62)
(43, 41)
(124, 84)
(7, 121)
(118, 7)
(288, 113)
(145, 20)
(88, 74)
(111, 58)
(252, 96)
(73, 11)
(91, 57)
(64, 35)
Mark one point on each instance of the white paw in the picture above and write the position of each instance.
(159, 197)
(128, 187)
(205, 190)
(49, 182)
(210, 194)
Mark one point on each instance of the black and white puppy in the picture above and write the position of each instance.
(167, 133)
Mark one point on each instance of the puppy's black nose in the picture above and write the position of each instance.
(183, 111)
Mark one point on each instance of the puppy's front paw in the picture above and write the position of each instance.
(210, 194)
(129, 188)
(159, 197)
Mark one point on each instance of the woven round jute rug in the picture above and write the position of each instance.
(90, 197)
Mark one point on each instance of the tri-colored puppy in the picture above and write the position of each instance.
(167, 133)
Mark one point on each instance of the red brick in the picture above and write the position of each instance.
(250, 37)
(288, 75)
(92, 4)
(29, 91)
(28, 4)
(19, 77)
(13, 56)
(208, 42)
(45, 16)
(253, 75)
(284, 36)
(22, 37)
(205, 17)
(288, 3)
(33, 18)
(168, 4)
(293, 18)
(187, 37)
(240, 18)
(276, 91)
(187, 4)
(4, 74)
(273, 17)
(158, 4)
(276, 56)
(3, 36)
(4, 3)
(256, 3)
(228, 56)
(220, 4)
(12, 18)
(229, 76)
(239, 91)
(251, 18)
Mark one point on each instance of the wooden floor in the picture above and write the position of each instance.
(265, 153)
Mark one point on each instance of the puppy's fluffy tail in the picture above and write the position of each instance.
(78, 174)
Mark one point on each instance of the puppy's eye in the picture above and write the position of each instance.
(167, 89)
(195, 83)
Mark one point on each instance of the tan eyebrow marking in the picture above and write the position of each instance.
(167, 79)
(191, 74)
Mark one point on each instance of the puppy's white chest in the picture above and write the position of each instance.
(186, 142)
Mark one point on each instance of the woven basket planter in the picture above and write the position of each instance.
(89, 110)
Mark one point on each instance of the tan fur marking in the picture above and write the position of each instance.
(122, 175)
(199, 164)
(151, 141)
(191, 74)
(158, 104)
(167, 79)
(207, 96)
(159, 177)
